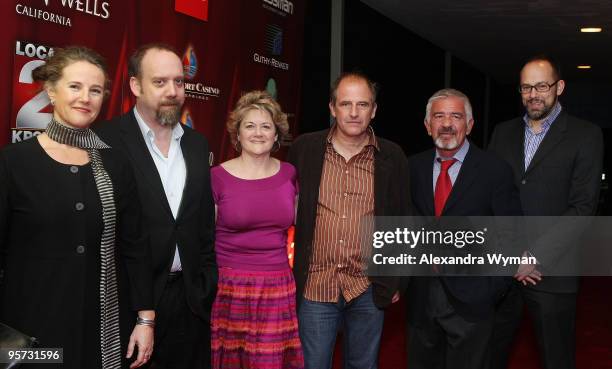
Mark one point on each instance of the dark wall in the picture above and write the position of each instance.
(408, 68)
(589, 99)
(315, 79)
(471, 82)
(505, 103)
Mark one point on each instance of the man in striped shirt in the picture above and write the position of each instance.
(346, 174)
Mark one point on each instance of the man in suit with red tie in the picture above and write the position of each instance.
(450, 319)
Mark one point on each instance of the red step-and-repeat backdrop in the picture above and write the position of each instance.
(227, 46)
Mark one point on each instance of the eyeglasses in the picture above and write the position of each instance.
(540, 87)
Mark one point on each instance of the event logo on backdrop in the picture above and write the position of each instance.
(186, 119)
(31, 109)
(274, 39)
(280, 7)
(273, 44)
(190, 63)
(92, 7)
(195, 89)
(194, 8)
(271, 88)
(269, 31)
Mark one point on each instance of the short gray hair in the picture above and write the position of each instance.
(447, 92)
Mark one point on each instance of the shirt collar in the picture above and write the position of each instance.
(554, 113)
(459, 155)
(177, 130)
(372, 140)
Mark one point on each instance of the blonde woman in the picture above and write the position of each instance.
(254, 321)
(69, 218)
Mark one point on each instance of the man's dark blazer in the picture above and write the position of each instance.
(563, 178)
(484, 187)
(391, 198)
(193, 229)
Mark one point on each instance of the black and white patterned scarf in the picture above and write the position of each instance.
(86, 139)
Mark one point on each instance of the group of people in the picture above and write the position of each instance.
(120, 245)
(545, 163)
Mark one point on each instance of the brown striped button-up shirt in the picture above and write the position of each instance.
(346, 196)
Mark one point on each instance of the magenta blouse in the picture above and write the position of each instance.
(253, 216)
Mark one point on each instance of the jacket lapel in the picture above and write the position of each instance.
(426, 182)
(143, 162)
(517, 140)
(191, 166)
(554, 135)
(316, 165)
(382, 171)
(467, 174)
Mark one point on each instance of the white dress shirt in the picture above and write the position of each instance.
(172, 170)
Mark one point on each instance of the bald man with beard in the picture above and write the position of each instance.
(557, 163)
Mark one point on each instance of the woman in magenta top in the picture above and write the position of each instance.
(254, 321)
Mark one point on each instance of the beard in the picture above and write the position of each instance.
(449, 144)
(446, 142)
(169, 116)
(542, 113)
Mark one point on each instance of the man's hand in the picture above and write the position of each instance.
(142, 336)
(527, 273)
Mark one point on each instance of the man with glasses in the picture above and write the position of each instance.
(557, 164)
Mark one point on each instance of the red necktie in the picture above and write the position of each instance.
(443, 186)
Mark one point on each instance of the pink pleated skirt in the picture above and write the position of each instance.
(254, 321)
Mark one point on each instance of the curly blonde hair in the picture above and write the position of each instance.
(260, 100)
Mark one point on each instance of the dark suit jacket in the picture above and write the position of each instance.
(484, 187)
(193, 229)
(391, 197)
(563, 178)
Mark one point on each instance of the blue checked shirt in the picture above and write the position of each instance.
(533, 140)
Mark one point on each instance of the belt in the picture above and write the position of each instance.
(173, 276)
